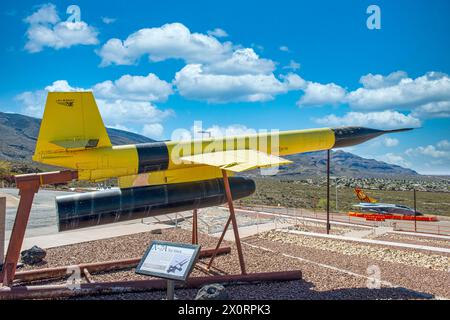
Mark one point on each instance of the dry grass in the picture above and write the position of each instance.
(297, 195)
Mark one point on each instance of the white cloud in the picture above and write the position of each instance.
(170, 41)
(242, 61)
(443, 144)
(220, 131)
(120, 127)
(141, 88)
(391, 142)
(393, 158)
(400, 92)
(153, 130)
(436, 158)
(47, 30)
(384, 119)
(32, 102)
(132, 114)
(429, 150)
(218, 33)
(317, 94)
(193, 83)
(427, 96)
(215, 72)
(378, 81)
(439, 109)
(127, 108)
(293, 81)
(293, 65)
(215, 131)
(108, 20)
(284, 48)
(62, 85)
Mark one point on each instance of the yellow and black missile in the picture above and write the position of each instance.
(161, 177)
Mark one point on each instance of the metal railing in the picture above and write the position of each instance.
(398, 225)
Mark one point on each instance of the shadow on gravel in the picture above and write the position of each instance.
(304, 290)
(291, 290)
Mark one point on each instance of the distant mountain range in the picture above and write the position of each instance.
(19, 133)
(342, 164)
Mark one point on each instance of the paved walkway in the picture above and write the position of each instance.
(248, 231)
(89, 234)
(374, 232)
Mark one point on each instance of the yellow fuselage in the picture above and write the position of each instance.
(125, 160)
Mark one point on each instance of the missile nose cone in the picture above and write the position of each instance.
(350, 136)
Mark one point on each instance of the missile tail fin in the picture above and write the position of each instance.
(71, 121)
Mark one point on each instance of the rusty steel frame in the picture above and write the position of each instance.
(58, 291)
(28, 185)
(231, 219)
(61, 272)
(194, 227)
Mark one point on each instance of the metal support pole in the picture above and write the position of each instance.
(170, 290)
(328, 191)
(231, 219)
(226, 185)
(415, 211)
(219, 242)
(2, 229)
(194, 227)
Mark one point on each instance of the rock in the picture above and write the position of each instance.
(212, 291)
(33, 256)
(156, 231)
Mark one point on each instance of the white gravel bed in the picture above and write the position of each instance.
(435, 242)
(409, 257)
(317, 282)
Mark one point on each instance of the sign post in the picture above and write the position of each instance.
(2, 229)
(170, 289)
(169, 260)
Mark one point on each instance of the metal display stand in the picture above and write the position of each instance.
(29, 184)
(231, 219)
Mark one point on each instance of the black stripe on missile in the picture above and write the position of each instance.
(153, 156)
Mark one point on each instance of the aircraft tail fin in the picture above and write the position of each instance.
(71, 122)
(363, 196)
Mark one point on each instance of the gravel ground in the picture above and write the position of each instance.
(320, 228)
(418, 279)
(435, 242)
(440, 262)
(318, 282)
(421, 279)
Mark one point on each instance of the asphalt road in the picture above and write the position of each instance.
(43, 213)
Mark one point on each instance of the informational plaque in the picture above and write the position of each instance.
(169, 260)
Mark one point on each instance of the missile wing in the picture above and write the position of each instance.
(236, 160)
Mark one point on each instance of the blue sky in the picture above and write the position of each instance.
(239, 66)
